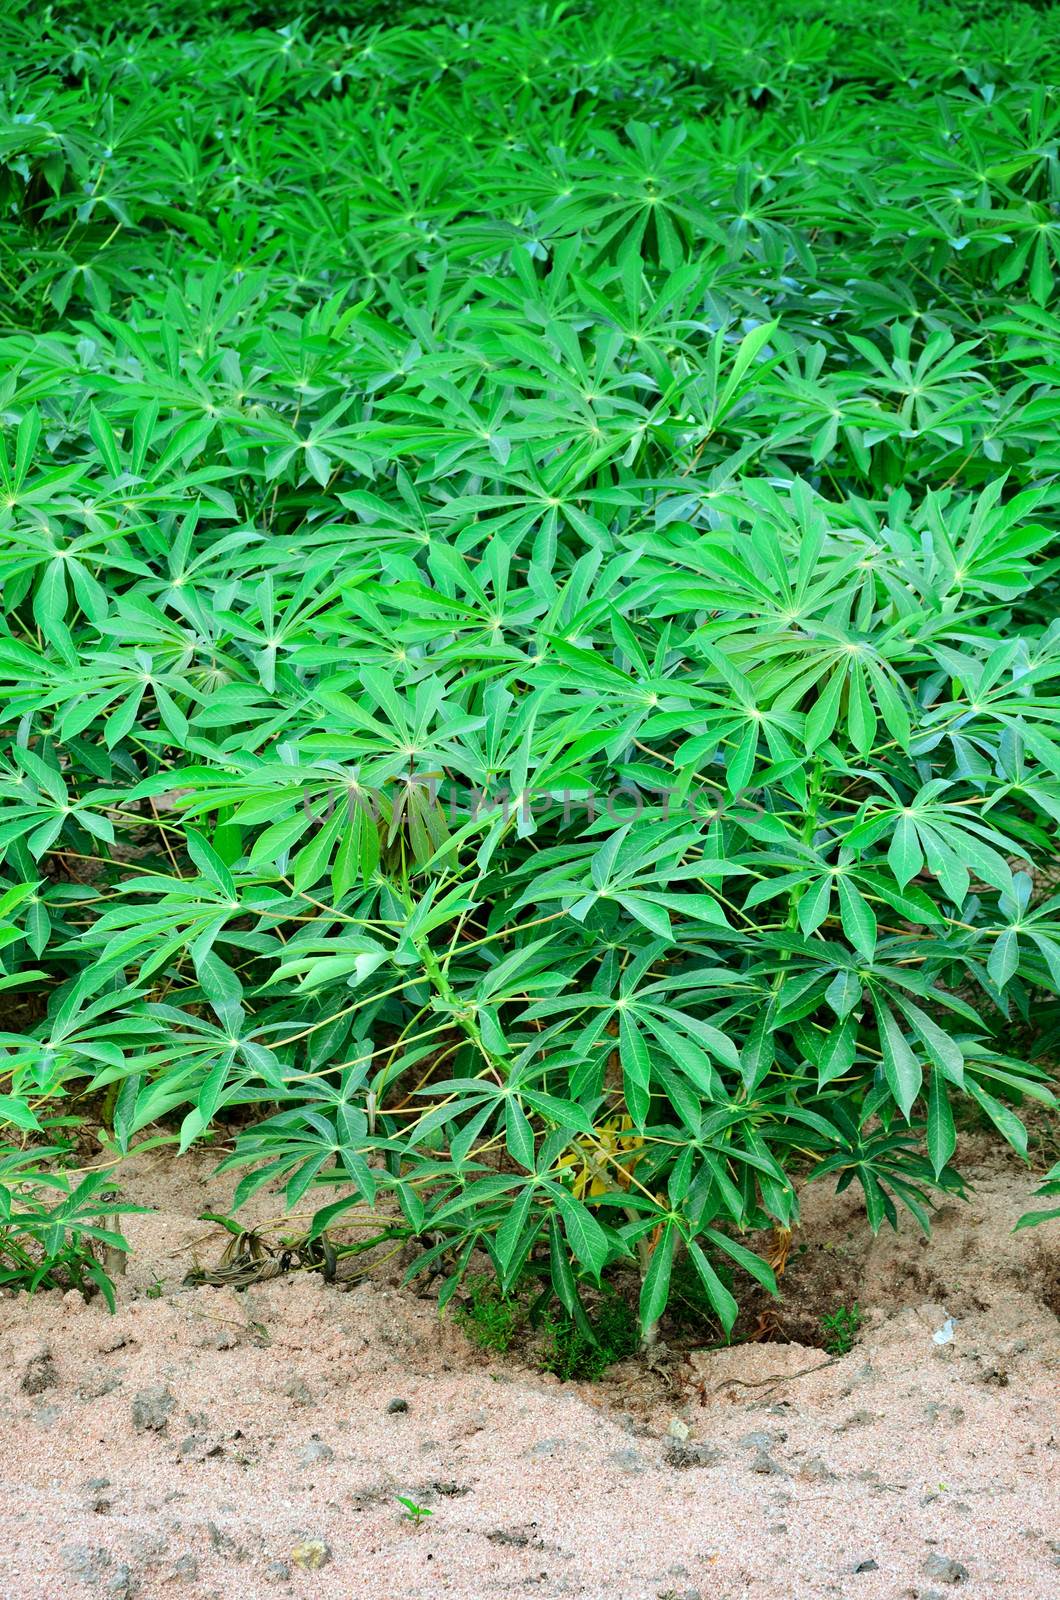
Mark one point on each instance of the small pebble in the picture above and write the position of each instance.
(196, 1448)
(86, 1563)
(315, 1452)
(756, 1441)
(39, 1372)
(151, 1408)
(297, 1390)
(97, 1382)
(309, 1555)
(121, 1584)
(684, 1453)
(944, 1568)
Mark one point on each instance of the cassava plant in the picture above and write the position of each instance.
(529, 561)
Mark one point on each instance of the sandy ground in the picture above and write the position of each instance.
(211, 1443)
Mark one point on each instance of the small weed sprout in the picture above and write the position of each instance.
(840, 1328)
(489, 1317)
(416, 1514)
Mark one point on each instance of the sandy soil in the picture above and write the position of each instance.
(206, 1443)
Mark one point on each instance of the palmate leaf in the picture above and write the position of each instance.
(1050, 1186)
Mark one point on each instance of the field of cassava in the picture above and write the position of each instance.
(529, 554)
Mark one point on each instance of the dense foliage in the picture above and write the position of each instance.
(528, 541)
